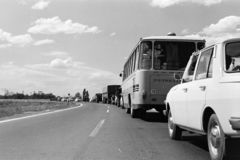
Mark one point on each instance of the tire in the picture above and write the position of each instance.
(216, 138)
(174, 131)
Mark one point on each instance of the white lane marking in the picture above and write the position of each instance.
(95, 131)
(107, 110)
(119, 150)
(36, 115)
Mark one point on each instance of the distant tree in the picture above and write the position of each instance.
(87, 96)
(84, 94)
(77, 95)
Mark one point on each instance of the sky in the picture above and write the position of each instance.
(64, 46)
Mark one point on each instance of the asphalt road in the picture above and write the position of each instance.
(96, 132)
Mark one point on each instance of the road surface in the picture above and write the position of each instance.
(96, 132)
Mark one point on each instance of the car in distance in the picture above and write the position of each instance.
(208, 103)
(77, 99)
(64, 99)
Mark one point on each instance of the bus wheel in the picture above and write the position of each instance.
(174, 131)
(134, 113)
(216, 139)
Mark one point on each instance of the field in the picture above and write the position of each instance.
(11, 107)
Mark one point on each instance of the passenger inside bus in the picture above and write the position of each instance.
(158, 51)
(147, 55)
(167, 55)
(159, 55)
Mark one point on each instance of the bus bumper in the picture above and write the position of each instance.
(146, 107)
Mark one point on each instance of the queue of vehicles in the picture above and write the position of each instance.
(208, 104)
(108, 93)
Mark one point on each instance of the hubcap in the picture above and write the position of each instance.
(215, 138)
(170, 123)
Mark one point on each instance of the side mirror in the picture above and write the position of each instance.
(177, 76)
(120, 75)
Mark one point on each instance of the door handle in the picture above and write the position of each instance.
(202, 88)
(185, 89)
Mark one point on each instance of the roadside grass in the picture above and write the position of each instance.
(12, 107)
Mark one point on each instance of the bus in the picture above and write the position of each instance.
(148, 73)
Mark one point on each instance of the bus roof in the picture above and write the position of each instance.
(178, 38)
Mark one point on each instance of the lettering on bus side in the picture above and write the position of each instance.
(136, 88)
(156, 80)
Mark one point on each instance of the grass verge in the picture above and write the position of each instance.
(12, 107)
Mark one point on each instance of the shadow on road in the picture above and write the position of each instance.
(201, 142)
(154, 117)
(195, 139)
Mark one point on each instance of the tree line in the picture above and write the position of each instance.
(26, 96)
(41, 95)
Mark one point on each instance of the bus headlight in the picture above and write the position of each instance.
(144, 95)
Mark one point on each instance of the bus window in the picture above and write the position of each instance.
(137, 58)
(172, 55)
(132, 63)
(134, 60)
(159, 54)
(146, 49)
(130, 66)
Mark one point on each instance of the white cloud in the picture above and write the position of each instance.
(23, 2)
(185, 31)
(40, 5)
(20, 40)
(227, 27)
(45, 41)
(55, 25)
(167, 3)
(57, 54)
(224, 26)
(113, 34)
(72, 76)
(59, 76)
(57, 63)
(5, 45)
(18, 79)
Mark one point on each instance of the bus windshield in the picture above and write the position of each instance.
(166, 55)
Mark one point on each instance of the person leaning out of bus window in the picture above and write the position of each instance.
(147, 53)
(187, 76)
